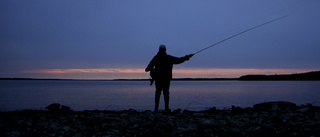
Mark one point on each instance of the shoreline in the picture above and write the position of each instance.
(307, 76)
(264, 119)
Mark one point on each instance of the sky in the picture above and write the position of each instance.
(110, 39)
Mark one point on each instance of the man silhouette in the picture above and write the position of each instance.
(161, 66)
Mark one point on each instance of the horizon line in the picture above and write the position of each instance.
(143, 79)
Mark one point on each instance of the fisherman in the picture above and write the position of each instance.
(161, 70)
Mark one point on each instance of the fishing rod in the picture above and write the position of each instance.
(240, 34)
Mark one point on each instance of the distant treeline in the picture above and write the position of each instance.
(314, 75)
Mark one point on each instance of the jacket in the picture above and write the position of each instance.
(162, 64)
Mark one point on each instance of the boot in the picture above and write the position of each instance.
(166, 103)
(156, 103)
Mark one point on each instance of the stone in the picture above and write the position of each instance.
(65, 108)
(274, 105)
(55, 107)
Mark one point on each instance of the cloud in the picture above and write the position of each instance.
(59, 71)
(179, 72)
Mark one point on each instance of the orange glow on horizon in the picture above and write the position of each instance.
(179, 72)
(59, 71)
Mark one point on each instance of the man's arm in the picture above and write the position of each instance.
(177, 60)
(150, 65)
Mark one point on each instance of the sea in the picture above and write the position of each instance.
(139, 95)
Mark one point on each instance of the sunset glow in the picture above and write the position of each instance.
(57, 71)
(177, 73)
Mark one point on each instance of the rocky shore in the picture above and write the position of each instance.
(265, 119)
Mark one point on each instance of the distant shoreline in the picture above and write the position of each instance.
(308, 76)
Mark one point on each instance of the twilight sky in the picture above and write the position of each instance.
(107, 39)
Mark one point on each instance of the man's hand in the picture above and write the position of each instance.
(188, 56)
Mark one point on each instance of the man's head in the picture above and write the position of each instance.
(162, 47)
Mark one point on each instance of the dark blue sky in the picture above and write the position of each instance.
(117, 39)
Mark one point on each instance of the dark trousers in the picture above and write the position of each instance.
(162, 85)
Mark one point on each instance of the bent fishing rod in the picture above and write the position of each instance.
(240, 34)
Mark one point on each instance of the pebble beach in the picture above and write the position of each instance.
(264, 119)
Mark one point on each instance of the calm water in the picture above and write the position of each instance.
(118, 95)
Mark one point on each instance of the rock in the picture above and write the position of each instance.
(177, 111)
(265, 131)
(200, 114)
(235, 131)
(267, 106)
(12, 134)
(55, 107)
(188, 112)
(212, 110)
(65, 108)
(236, 110)
(209, 122)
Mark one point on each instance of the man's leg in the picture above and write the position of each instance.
(166, 86)
(157, 95)
(156, 103)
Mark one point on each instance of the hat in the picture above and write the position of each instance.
(162, 47)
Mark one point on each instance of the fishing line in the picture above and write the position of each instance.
(240, 34)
